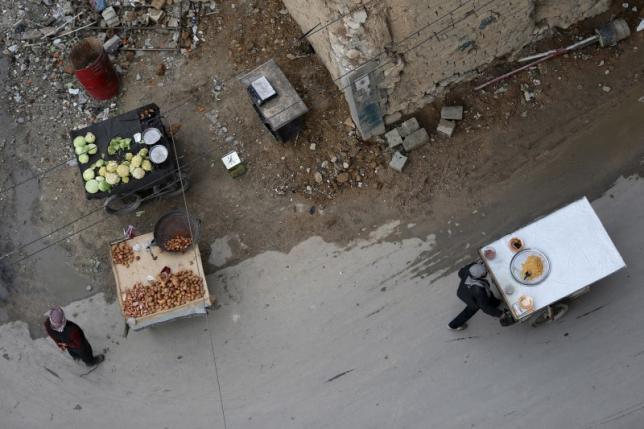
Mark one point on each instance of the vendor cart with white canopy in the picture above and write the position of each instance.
(556, 257)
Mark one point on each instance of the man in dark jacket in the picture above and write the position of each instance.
(474, 291)
(68, 336)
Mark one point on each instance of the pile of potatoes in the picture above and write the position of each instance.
(163, 293)
(122, 254)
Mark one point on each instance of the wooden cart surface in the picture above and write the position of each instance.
(147, 266)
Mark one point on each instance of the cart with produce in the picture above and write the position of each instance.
(538, 267)
(159, 276)
(128, 159)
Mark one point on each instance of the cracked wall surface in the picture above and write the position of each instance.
(421, 47)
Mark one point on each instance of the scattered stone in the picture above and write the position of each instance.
(334, 159)
(325, 164)
(349, 123)
(291, 56)
(157, 4)
(446, 127)
(312, 146)
(454, 113)
(408, 127)
(138, 76)
(112, 45)
(345, 165)
(172, 22)
(342, 177)
(13, 49)
(393, 138)
(398, 161)
(318, 177)
(392, 118)
(78, 407)
(416, 139)
(88, 288)
(156, 15)
(230, 139)
(606, 88)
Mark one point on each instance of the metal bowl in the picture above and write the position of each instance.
(158, 154)
(517, 270)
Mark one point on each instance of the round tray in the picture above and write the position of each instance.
(516, 267)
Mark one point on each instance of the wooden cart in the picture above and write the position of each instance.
(151, 260)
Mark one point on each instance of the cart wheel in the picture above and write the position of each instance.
(175, 190)
(122, 204)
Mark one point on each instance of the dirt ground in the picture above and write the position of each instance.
(447, 186)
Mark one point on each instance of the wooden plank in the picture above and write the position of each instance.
(143, 267)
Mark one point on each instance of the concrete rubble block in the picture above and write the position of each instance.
(398, 162)
(110, 17)
(393, 138)
(112, 45)
(155, 15)
(31, 35)
(416, 139)
(446, 127)
(408, 127)
(454, 113)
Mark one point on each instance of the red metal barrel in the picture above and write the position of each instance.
(94, 70)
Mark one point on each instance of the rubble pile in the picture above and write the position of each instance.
(38, 37)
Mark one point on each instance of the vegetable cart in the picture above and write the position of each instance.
(147, 266)
(556, 257)
(110, 151)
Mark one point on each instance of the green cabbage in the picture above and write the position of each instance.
(92, 149)
(146, 165)
(83, 158)
(90, 138)
(91, 186)
(88, 174)
(104, 186)
(79, 141)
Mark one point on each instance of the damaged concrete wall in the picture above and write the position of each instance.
(421, 47)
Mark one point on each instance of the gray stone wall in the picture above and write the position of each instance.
(423, 46)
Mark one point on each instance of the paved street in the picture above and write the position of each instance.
(328, 337)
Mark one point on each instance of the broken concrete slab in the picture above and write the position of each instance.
(112, 45)
(31, 35)
(393, 138)
(110, 17)
(454, 113)
(408, 127)
(398, 161)
(446, 127)
(416, 139)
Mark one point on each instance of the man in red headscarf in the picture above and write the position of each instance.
(68, 336)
